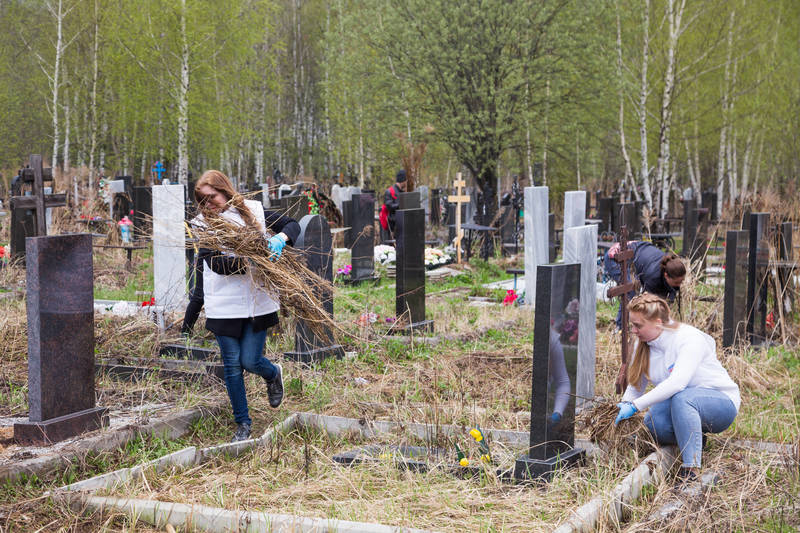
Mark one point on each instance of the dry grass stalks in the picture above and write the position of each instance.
(298, 288)
(598, 423)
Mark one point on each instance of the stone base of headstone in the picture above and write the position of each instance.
(424, 326)
(316, 355)
(527, 469)
(138, 369)
(60, 428)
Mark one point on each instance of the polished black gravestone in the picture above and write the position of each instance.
(410, 272)
(363, 232)
(605, 210)
(409, 200)
(60, 309)
(552, 245)
(709, 198)
(315, 242)
(783, 233)
(347, 222)
(142, 211)
(757, 277)
(555, 363)
(295, 207)
(734, 314)
(693, 245)
(627, 216)
(436, 207)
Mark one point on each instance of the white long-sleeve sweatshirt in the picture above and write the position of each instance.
(681, 358)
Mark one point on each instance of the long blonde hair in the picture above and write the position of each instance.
(222, 184)
(651, 307)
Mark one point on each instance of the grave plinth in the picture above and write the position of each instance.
(734, 318)
(60, 312)
(315, 242)
(363, 232)
(555, 361)
(410, 272)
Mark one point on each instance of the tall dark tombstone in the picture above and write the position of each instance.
(295, 207)
(410, 272)
(690, 222)
(316, 244)
(347, 221)
(409, 200)
(60, 309)
(552, 246)
(142, 211)
(605, 207)
(122, 203)
(734, 314)
(23, 225)
(757, 274)
(785, 255)
(555, 363)
(436, 207)
(709, 197)
(640, 222)
(363, 231)
(627, 216)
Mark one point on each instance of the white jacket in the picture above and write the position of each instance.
(236, 295)
(681, 358)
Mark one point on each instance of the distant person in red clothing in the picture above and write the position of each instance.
(391, 201)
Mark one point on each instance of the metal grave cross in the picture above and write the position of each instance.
(623, 258)
(458, 199)
(39, 201)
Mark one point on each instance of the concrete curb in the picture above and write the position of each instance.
(212, 519)
(170, 428)
(587, 517)
(337, 425)
(234, 449)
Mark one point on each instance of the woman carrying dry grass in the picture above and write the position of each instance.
(693, 392)
(238, 310)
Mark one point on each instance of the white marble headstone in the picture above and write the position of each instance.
(169, 250)
(536, 237)
(424, 200)
(580, 246)
(574, 209)
(336, 196)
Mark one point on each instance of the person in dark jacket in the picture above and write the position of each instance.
(654, 271)
(391, 198)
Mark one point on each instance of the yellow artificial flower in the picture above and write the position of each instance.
(486, 458)
(464, 461)
(476, 434)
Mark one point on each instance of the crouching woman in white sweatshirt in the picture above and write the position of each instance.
(692, 392)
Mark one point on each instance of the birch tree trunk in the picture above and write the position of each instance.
(93, 101)
(629, 181)
(529, 148)
(674, 16)
(183, 103)
(546, 132)
(723, 134)
(644, 174)
(67, 116)
(748, 152)
(58, 13)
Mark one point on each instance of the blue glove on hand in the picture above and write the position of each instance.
(626, 410)
(275, 245)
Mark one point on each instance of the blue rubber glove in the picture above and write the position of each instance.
(275, 245)
(555, 418)
(626, 410)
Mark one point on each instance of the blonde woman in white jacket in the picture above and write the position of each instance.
(692, 392)
(238, 311)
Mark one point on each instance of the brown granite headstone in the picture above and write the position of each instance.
(60, 307)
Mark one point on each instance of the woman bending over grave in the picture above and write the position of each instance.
(656, 272)
(693, 394)
(239, 312)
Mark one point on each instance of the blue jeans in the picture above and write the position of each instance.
(245, 353)
(684, 418)
(614, 272)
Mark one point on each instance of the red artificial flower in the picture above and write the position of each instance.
(510, 297)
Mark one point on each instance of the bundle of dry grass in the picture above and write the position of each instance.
(298, 288)
(598, 423)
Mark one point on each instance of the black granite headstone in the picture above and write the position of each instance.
(363, 231)
(60, 309)
(436, 207)
(709, 198)
(627, 216)
(142, 211)
(23, 225)
(552, 246)
(757, 277)
(605, 206)
(690, 222)
(295, 207)
(410, 271)
(347, 222)
(734, 316)
(409, 200)
(315, 242)
(555, 363)
(785, 255)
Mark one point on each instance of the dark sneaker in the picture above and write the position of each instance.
(242, 433)
(275, 388)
